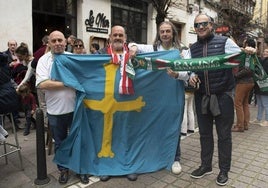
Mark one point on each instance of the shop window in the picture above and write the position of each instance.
(132, 15)
(49, 15)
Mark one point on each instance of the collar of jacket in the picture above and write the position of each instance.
(208, 38)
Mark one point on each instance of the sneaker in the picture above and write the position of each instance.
(104, 178)
(26, 133)
(17, 121)
(190, 131)
(201, 172)
(255, 122)
(222, 178)
(264, 124)
(176, 167)
(3, 132)
(2, 138)
(84, 178)
(64, 176)
(183, 134)
(132, 177)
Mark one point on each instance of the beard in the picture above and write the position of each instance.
(118, 45)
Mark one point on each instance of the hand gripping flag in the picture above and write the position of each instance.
(115, 134)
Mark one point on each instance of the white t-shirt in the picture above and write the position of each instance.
(59, 101)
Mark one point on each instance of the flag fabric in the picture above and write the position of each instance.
(206, 63)
(115, 134)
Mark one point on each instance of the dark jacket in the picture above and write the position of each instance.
(10, 58)
(213, 81)
(8, 96)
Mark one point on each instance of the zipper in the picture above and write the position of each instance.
(205, 54)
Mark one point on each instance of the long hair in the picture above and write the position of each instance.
(24, 89)
(175, 41)
(22, 49)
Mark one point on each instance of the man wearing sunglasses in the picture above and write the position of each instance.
(213, 100)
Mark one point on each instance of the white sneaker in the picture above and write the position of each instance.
(3, 132)
(264, 124)
(255, 122)
(2, 138)
(176, 167)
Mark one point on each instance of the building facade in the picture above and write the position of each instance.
(29, 20)
(91, 20)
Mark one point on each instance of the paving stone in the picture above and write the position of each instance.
(249, 165)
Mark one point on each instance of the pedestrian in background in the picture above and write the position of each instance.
(70, 43)
(188, 123)
(79, 47)
(244, 84)
(42, 50)
(94, 47)
(262, 96)
(29, 105)
(8, 97)
(12, 45)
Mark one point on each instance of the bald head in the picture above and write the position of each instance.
(12, 45)
(57, 42)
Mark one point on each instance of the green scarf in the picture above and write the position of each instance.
(198, 64)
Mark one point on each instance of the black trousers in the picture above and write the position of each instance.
(223, 123)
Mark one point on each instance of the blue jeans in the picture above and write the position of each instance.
(224, 123)
(262, 101)
(59, 126)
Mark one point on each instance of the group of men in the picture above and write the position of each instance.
(215, 87)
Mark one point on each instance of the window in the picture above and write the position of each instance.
(132, 15)
(47, 11)
(49, 15)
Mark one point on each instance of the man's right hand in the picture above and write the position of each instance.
(133, 51)
(194, 81)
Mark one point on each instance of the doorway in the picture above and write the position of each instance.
(49, 15)
(44, 24)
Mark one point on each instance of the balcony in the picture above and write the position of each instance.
(237, 7)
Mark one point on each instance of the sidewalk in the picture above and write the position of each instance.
(249, 165)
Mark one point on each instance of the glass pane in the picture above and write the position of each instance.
(129, 14)
(124, 17)
(144, 36)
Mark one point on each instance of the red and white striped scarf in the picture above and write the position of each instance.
(125, 84)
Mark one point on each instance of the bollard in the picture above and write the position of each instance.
(40, 149)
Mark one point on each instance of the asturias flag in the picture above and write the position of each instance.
(114, 134)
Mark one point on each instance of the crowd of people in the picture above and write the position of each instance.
(208, 94)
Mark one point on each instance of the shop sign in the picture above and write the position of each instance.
(222, 29)
(98, 24)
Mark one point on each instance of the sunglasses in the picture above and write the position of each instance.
(80, 46)
(203, 24)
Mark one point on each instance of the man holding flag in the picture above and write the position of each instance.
(60, 100)
(114, 126)
(118, 50)
(166, 39)
(213, 100)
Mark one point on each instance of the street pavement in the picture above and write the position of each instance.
(249, 165)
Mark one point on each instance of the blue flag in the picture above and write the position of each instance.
(114, 134)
